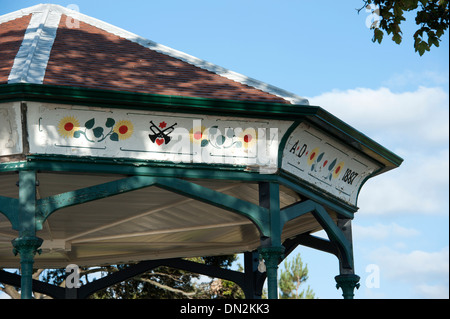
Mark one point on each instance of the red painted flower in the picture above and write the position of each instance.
(248, 138)
(124, 129)
(162, 124)
(67, 126)
(314, 153)
(338, 169)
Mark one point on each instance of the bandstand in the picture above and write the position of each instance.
(115, 149)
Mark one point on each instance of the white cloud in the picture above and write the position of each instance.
(426, 272)
(419, 186)
(382, 232)
(410, 78)
(419, 117)
(414, 125)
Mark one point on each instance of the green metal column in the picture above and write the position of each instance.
(272, 257)
(347, 280)
(348, 283)
(271, 249)
(27, 248)
(27, 244)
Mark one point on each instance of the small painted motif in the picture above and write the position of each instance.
(69, 127)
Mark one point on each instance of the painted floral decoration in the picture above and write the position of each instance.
(123, 129)
(248, 138)
(313, 155)
(197, 134)
(337, 171)
(68, 126)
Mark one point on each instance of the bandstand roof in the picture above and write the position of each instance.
(52, 45)
(58, 64)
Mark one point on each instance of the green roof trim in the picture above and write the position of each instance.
(165, 103)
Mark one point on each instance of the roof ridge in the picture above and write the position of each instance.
(31, 60)
(221, 71)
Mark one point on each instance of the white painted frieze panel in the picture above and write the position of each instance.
(144, 135)
(326, 163)
(10, 129)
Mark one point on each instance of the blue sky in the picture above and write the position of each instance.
(322, 50)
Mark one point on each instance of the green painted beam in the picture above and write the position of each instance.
(155, 102)
(46, 206)
(135, 167)
(258, 215)
(296, 210)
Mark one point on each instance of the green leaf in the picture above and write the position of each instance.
(204, 143)
(377, 36)
(114, 137)
(98, 132)
(230, 132)
(110, 122)
(422, 47)
(213, 130)
(77, 134)
(319, 158)
(331, 166)
(220, 139)
(397, 38)
(89, 124)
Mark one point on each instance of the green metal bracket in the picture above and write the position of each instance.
(336, 236)
(334, 233)
(8, 207)
(48, 205)
(258, 215)
(317, 196)
(295, 210)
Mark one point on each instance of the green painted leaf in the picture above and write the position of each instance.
(89, 124)
(319, 158)
(230, 132)
(77, 134)
(331, 166)
(220, 140)
(204, 143)
(98, 132)
(110, 122)
(114, 137)
(213, 130)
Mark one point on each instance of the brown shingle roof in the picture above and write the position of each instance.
(94, 54)
(11, 37)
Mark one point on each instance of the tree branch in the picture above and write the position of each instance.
(157, 284)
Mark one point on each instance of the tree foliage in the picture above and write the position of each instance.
(159, 283)
(292, 279)
(432, 17)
